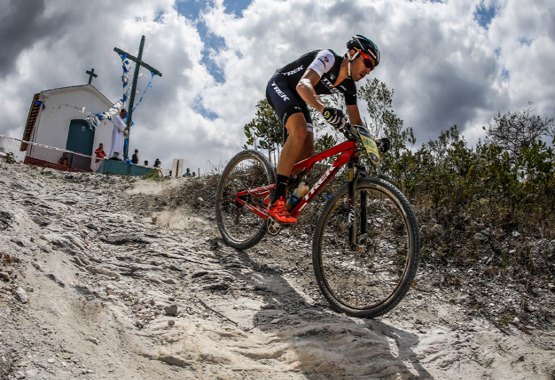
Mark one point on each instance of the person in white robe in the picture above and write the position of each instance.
(118, 135)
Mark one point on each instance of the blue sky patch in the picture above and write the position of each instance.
(484, 14)
(199, 107)
(212, 43)
(236, 6)
(193, 9)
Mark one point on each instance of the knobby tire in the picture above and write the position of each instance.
(241, 228)
(371, 279)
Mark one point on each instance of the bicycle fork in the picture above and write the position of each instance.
(356, 238)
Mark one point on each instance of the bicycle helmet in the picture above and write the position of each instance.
(361, 43)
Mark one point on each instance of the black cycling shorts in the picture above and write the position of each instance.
(285, 101)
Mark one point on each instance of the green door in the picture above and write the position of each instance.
(80, 139)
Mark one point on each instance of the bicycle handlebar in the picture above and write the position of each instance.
(354, 132)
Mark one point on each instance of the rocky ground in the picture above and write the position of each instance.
(106, 277)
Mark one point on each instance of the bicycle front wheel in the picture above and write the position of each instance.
(240, 227)
(365, 255)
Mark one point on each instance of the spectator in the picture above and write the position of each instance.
(99, 154)
(187, 173)
(135, 157)
(145, 163)
(118, 136)
(194, 174)
(115, 156)
(157, 163)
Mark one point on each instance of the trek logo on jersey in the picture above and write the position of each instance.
(293, 72)
(280, 93)
(329, 85)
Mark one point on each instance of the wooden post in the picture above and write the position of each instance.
(138, 63)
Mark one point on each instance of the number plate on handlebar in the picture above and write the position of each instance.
(369, 143)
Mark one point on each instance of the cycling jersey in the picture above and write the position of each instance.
(326, 64)
(281, 90)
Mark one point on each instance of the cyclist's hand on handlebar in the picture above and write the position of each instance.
(335, 117)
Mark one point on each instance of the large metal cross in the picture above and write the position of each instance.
(91, 74)
(138, 64)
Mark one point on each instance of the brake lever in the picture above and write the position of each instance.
(348, 132)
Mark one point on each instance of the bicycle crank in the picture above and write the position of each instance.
(273, 227)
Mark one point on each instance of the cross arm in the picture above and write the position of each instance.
(141, 63)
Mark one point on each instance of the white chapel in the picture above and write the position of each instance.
(57, 119)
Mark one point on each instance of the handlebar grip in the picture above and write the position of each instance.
(349, 132)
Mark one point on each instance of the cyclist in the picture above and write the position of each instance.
(299, 83)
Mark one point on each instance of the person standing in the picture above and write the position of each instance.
(135, 157)
(157, 163)
(99, 155)
(118, 135)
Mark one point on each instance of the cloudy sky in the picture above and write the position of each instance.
(448, 62)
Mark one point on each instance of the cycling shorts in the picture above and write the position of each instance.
(285, 101)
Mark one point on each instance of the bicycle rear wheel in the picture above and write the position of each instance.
(240, 227)
(369, 276)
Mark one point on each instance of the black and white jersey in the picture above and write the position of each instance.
(326, 64)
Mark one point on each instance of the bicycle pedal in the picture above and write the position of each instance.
(273, 227)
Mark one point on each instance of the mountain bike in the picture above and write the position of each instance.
(366, 245)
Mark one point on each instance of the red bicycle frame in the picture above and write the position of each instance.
(347, 150)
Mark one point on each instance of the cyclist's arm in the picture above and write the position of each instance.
(305, 89)
(354, 114)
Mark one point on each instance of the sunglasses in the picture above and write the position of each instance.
(367, 60)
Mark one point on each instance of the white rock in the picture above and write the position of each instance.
(21, 295)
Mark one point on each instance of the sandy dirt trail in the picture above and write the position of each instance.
(94, 287)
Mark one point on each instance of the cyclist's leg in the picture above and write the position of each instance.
(293, 113)
(306, 152)
(295, 145)
(296, 130)
(308, 145)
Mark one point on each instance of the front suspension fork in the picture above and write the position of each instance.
(353, 177)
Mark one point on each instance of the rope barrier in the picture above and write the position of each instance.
(45, 146)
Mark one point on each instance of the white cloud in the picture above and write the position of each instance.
(445, 69)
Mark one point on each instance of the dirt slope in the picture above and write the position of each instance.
(96, 283)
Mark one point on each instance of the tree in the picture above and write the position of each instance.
(515, 131)
(264, 131)
(379, 99)
(324, 142)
